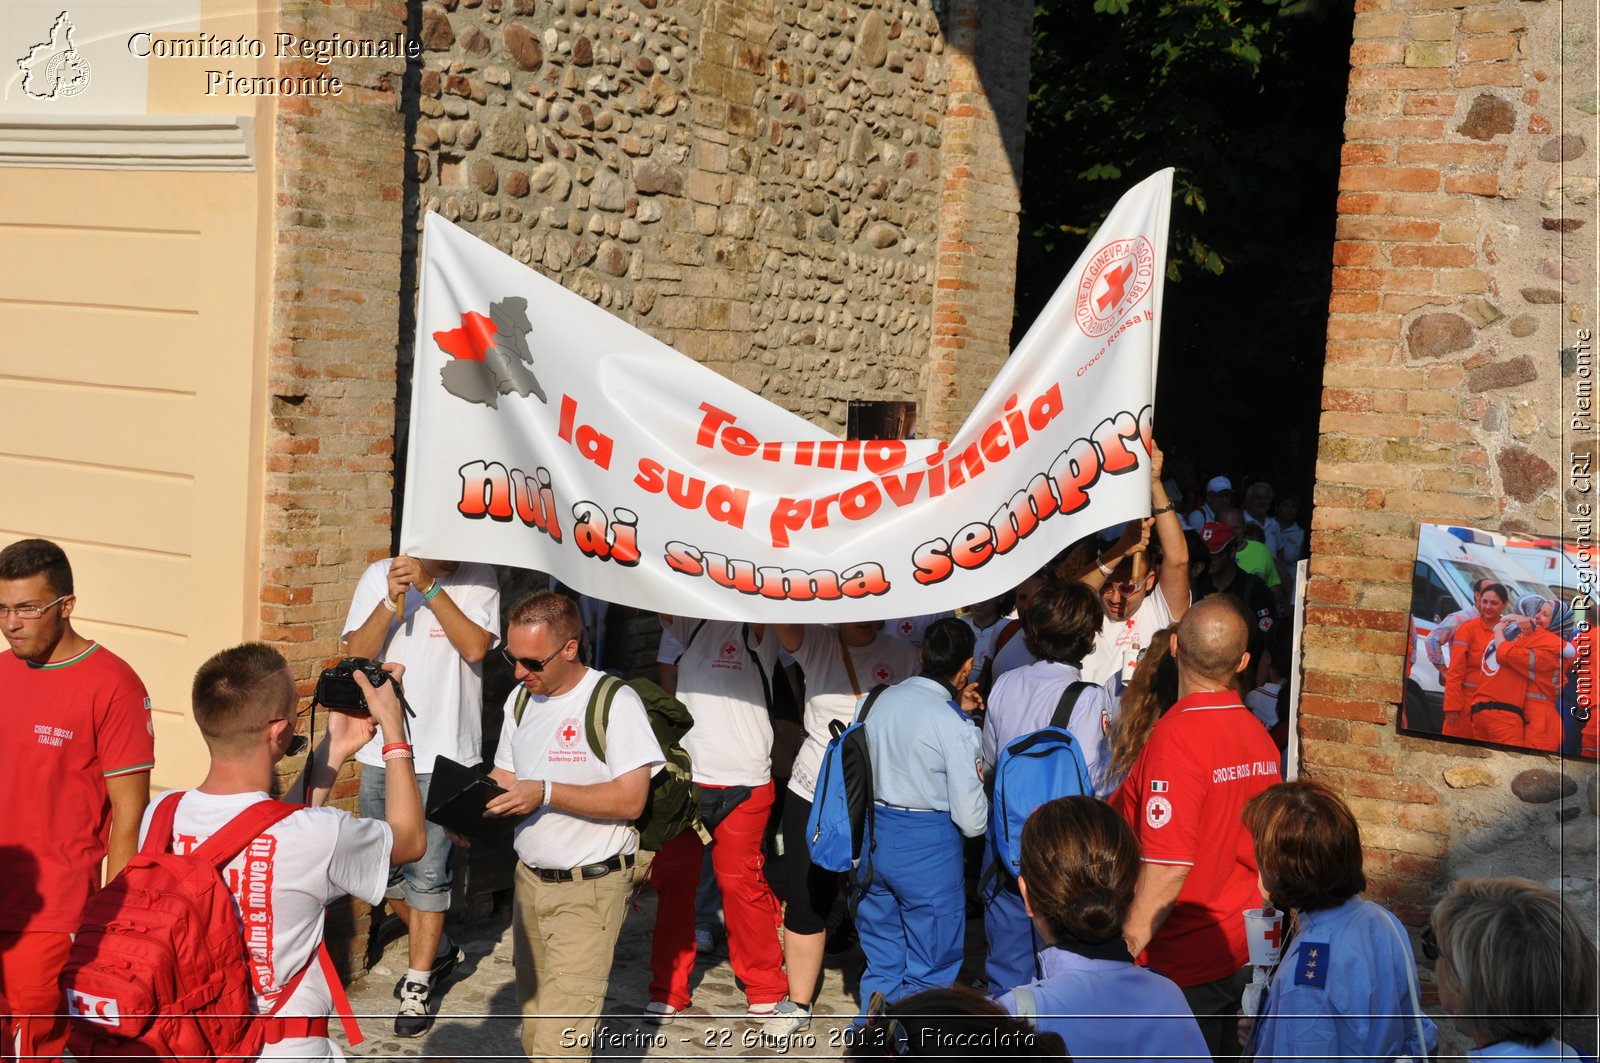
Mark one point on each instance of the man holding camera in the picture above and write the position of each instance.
(439, 619)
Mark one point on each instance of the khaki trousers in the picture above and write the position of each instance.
(563, 935)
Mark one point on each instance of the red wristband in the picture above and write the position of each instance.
(397, 745)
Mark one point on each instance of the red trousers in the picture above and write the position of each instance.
(31, 1004)
(748, 904)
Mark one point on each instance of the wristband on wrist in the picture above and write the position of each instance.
(1105, 570)
(1168, 508)
(433, 591)
(395, 745)
(391, 605)
(400, 751)
(545, 800)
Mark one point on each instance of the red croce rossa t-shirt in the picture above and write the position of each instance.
(1184, 798)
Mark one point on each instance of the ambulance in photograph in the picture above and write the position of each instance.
(1449, 561)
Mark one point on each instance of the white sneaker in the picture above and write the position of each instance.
(659, 1013)
(703, 941)
(788, 1019)
(762, 1011)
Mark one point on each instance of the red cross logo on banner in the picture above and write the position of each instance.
(1116, 283)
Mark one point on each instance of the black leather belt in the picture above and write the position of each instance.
(1498, 706)
(587, 871)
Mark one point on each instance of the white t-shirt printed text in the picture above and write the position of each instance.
(552, 743)
(829, 696)
(284, 882)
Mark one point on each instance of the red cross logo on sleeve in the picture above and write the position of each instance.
(1157, 811)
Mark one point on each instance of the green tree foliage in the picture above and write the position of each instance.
(1245, 98)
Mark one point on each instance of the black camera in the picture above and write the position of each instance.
(337, 689)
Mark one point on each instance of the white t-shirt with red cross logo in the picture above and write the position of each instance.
(552, 743)
(731, 741)
(284, 881)
(829, 695)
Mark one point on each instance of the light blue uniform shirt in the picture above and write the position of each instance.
(1111, 1010)
(1342, 990)
(1024, 699)
(925, 754)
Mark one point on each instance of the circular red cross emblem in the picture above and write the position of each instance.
(567, 734)
(1117, 277)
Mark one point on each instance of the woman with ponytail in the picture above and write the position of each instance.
(1079, 865)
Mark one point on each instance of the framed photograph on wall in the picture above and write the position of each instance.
(1501, 647)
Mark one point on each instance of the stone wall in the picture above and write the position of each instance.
(761, 184)
(330, 378)
(1464, 272)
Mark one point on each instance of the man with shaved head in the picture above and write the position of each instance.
(1184, 798)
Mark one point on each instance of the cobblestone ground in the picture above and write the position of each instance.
(478, 1016)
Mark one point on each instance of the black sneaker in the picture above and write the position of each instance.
(442, 968)
(413, 1019)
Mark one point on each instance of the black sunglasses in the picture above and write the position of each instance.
(528, 663)
(1430, 943)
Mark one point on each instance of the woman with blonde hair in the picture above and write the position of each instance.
(1152, 691)
(1511, 957)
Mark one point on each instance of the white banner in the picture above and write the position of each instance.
(549, 435)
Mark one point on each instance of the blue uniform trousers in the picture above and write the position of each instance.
(1013, 945)
(912, 919)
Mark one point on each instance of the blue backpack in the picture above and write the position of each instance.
(1034, 768)
(839, 829)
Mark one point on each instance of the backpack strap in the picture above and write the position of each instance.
(755, 659)
(866, 706)
(523, 695)
(690, 641)
(241, 830)
(279, 1028)
(1068, 702)
(158, 836)
(598, 715)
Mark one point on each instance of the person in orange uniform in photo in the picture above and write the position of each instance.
(1471, 638)
(1515, 704)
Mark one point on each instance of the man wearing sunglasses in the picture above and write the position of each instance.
(439, 619)
(76, 749)
(576, 846)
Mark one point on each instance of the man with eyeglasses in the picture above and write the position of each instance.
(575, 843)
(439, 619)
(76, 749)
(1126, 575)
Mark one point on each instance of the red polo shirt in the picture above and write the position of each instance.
(64, 729)
(1184, 797)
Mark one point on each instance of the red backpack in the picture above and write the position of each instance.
(159, 967)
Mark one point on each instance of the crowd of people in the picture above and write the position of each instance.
(1151, 654)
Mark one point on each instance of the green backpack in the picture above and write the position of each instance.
(673, 805)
